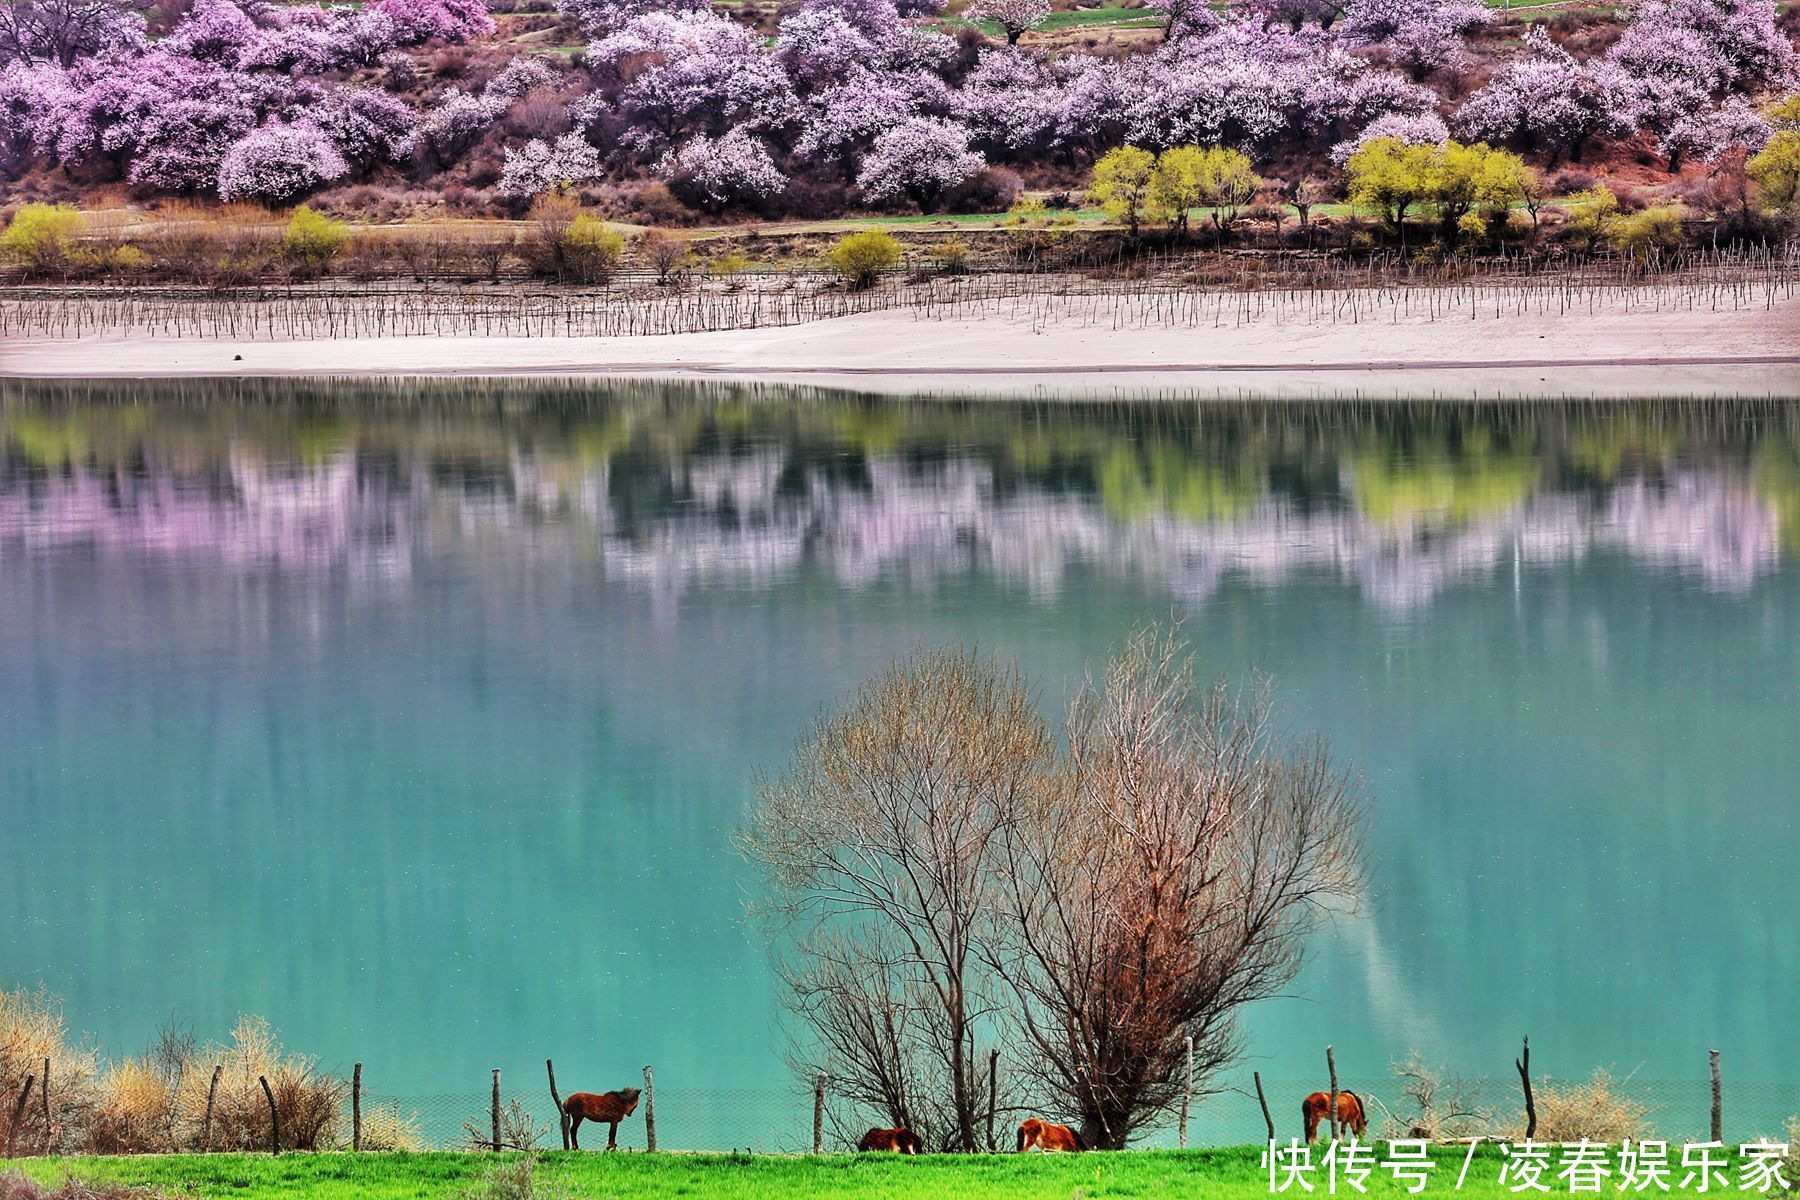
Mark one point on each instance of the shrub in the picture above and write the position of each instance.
(1649, 233)
(571, 244)
(1591, 214)
(308, 1102)
(668, 256)
(14, 1186)
(41, 235)
(111, 260)
(1594, 1110)
(515, 1179)
(312, 240)
(951, 255)
(31, 1030)
(861, 257)
(591, 249)
(385, 1127)
(728, 264)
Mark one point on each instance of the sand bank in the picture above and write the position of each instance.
(1616, 352)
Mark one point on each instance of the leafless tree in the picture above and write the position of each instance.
(1164, 878)
(61, 31)
(1435, 1105)
(878, 844)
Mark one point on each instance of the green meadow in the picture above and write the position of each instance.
(1213, 1174)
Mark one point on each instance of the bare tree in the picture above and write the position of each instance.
(878, 845)
(1435, 1105)
(1166, 877)
(60, 31)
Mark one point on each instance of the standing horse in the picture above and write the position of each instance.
(900, 1141)
(608, 1107)
(1043, 1136)
(1315, 1108)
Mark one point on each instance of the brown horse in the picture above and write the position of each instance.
(1316, 1107)
(608, 1107)
(900, 1141)
(1042, 1135)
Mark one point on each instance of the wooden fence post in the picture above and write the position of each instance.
(212, 1094)
(274, 1117)
(1187, 1096)
(1523, 1063)
(649, 1112)
(12, 1130)
(44, 1099)
(1331, 1066)
(356, 1108)
(1718, 1098)
(993, 1095)
(1264, 1101)
(819, 1114)
(494, 1110)
(562, 1118)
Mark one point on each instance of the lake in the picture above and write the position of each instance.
(418, 717)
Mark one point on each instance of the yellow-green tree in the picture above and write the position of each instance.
(861, 257)
(42, 236)
(1775, 169)
(1190, 177)
(1391, 176)
(1121, 185)
(1177, 185)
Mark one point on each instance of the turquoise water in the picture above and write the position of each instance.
(418, 719)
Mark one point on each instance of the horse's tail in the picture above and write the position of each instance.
(1020, 1148)
(1080, 1142)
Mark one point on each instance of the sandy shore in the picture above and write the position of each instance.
(1610, 353)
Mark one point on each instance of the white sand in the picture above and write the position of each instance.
(1673, 352)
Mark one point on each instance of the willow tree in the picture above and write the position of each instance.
(1166, 877)
(879, 845)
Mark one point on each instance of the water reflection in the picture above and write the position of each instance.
(672, 489)
(322, 701)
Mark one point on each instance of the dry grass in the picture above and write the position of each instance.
(1595, 1110)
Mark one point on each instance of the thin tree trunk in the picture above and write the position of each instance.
(819, 1114)
(44, 1100)
(356, 1108)
(1331, 1066)
(649, 1111)
(12, 1130)
(274, 1117)
(1187, 1095)
(494, 1110)
(562, 1118)
(1523, 1063)
(993, 1097)
(1718, 1098)
(212, 1094)
(1264, 1101)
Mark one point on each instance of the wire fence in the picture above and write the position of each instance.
(780, 1120)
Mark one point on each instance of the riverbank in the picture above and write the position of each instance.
(1227, 1173)
(1388, 343)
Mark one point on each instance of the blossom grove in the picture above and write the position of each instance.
(840, 102)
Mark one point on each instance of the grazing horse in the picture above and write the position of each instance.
(1315, 1108)
(900, 1141)
(608, 1107)
(1045, 1137)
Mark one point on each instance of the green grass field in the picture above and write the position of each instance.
(1232, 1173)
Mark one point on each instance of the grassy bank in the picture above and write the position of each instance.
(1232, 1173)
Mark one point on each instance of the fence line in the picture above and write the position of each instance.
(1150, 291)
